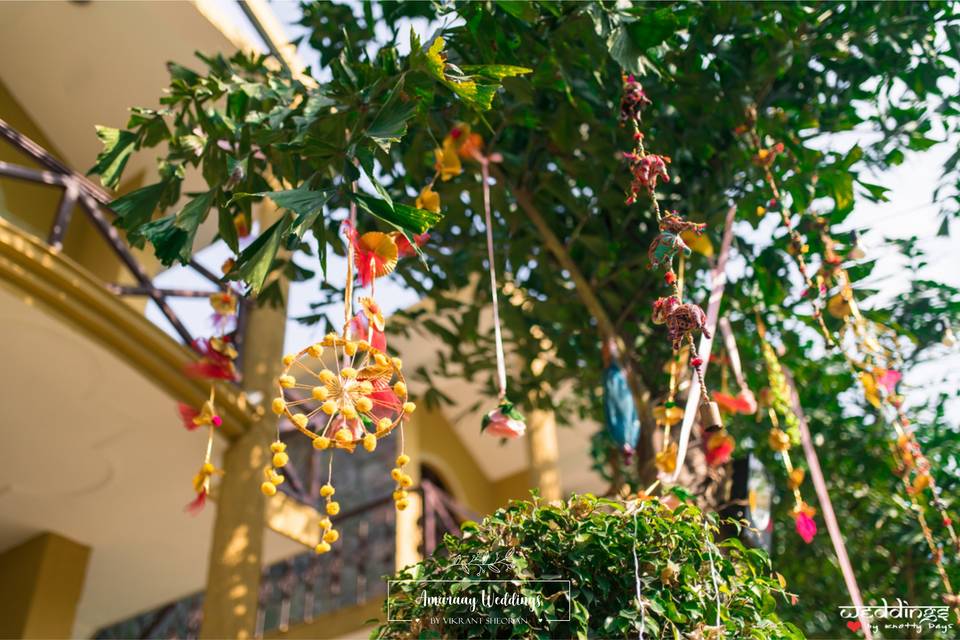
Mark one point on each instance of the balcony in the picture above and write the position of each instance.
(307, 588)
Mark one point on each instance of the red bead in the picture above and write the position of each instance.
(947, 522)
(696, 362)
(670, 277)
(772, 203)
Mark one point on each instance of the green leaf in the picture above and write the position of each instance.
(256, 261)
(180, 72)
(195, 212)
(117, 147)
(403, 217)
(390, 124)
(173, 235)
(520, 9)
(843, 191)
(653, 28)
(167, 239)
(306, 203)
(627, 54)
(476, 94)
(136, 208)
(495, 71)
(228, 230)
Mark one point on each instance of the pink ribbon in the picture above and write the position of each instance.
(826, 507)
(718, 279)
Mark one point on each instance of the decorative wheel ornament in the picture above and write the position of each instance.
(346, 391)
(342, 394)
(358, 399)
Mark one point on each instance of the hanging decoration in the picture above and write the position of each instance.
(216, 362)
(744, 402)
(720, 446)
(764, 158)
(826, 506)
(505, 421)
(778, 404)
(718, 435)
(619, 410)
(682, 320)
(875, 358)
(870, 362)
(346, 391)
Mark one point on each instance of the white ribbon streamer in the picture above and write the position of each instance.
(497, 334)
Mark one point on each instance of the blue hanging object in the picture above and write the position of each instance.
(619, 411)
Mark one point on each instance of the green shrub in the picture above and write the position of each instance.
(590, 542)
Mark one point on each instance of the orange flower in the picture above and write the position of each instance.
(429, 199)
(375, 252)
(472, 146)
(448, 161)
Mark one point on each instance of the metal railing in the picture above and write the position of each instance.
(306, 586)
(95, 204)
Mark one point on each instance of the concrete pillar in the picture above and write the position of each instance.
(543, 454)
(408, 534)
(236, 556)
(40, 584)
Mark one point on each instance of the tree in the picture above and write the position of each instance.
(573, 254)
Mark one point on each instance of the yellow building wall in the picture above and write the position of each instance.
(40, 585)
(442, 449)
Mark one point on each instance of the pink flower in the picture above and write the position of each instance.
(748, 402)
(188, 414)
(405, 249)
(504, 421)
(743, 402)
(196, 505)
(889, 380)
(806, 526)
(216, 359)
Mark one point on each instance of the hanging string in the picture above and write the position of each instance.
(497, 335)
(348, 289)
(730, 344)
(698, 391)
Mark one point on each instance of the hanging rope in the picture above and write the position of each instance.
(492, 268)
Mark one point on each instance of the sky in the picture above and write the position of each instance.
(909, 212)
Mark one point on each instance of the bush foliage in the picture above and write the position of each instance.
(591, 542)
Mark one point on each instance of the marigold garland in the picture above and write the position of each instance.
(216, 362)
(871, 363)
(781, 440)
